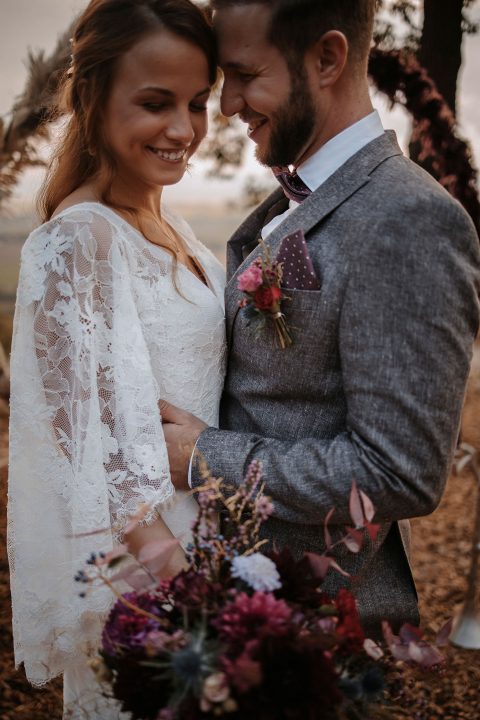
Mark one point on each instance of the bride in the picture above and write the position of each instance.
(118, 307)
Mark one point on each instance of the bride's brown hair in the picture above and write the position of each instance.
(104, 32)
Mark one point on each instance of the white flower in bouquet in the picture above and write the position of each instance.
(258, 571)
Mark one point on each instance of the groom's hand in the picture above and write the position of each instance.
(181, 430)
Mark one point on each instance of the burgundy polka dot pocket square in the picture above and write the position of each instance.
(298, 272)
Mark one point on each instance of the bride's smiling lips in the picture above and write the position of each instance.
(170, 156)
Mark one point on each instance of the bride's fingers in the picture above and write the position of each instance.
(170, 413)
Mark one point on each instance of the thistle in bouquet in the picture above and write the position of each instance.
(261, 284)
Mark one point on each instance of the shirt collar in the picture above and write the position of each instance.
(331, 156)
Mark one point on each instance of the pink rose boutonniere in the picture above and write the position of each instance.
(261, 285)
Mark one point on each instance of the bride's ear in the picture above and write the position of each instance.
(329, 56)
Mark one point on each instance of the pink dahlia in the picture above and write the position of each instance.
(251, 279)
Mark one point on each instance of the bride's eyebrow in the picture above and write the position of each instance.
(170, 93)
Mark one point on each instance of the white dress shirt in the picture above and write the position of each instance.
(331, 156)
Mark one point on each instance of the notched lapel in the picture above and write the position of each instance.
(247, 233)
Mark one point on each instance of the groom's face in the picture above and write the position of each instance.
(277, 105)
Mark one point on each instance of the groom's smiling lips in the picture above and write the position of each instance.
(253, 124)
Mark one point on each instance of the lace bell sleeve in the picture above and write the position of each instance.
(87, 444)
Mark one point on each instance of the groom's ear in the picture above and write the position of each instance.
(329, 57)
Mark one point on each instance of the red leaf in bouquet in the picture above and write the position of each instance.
(114, 557)
(319, 564)
(372, 649)
(90, 533)
(410, 633)
(134, 576)
(355, 506)
(326, 532)
(368, 507)
(337, 567)
(395, 645)
(353, 540)
(401, 652)
(156, 555)
(425, 655)
(408, 646)
(444, 633)
(372, 530)
(388, 634)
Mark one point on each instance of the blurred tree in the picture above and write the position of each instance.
(433, 31)
(416, 62)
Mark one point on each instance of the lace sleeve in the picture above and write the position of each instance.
(87, 444)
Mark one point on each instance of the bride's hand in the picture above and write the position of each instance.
(144, 534)
(181, 430)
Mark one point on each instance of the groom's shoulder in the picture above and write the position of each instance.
(402, 188)
(399, 180)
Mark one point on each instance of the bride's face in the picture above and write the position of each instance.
(156, 114)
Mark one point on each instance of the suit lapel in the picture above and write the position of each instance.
(340, 186)
(248, 232)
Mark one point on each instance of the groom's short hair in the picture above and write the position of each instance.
(297, 24)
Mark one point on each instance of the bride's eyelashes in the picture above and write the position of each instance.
(159, 107)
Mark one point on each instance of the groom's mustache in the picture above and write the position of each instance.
(250, 117)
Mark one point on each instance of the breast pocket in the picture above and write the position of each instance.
(303, 309)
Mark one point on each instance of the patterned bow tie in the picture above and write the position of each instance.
(293, 186)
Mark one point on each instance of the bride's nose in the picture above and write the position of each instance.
(180, 128)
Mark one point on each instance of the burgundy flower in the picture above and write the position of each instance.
(253, 617)
(266, 297)
(191, 590)
(299, 584)
(126, 629)
(299, 681)
(349, 628)
(244, 672)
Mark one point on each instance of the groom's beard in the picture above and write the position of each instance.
(292, 126)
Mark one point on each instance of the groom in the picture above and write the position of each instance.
(372, 388)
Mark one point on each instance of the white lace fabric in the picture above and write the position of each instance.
(100, 335)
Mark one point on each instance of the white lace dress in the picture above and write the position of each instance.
(100, 335)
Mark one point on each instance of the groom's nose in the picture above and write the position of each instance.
(231, 101)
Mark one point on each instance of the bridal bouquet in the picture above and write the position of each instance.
(242, 634)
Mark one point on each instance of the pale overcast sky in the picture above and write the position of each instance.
(38, 23)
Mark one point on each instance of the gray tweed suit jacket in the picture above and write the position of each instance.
(373, 386)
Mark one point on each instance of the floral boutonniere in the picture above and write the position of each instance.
(261, 284)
